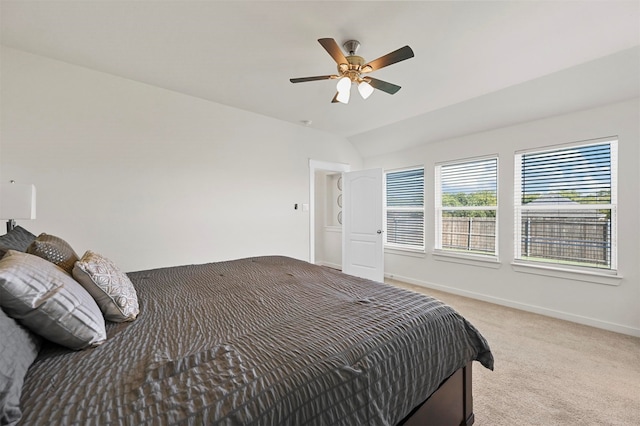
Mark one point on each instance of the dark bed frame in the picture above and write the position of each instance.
(451, 404)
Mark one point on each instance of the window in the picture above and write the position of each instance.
(466, 206)
(565, 205)
(404, 209)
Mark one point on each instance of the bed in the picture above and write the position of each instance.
(266, 341)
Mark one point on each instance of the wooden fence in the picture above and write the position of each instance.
(581, 241)
(474, 234)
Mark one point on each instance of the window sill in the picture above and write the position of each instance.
(467, 259)
(402, 251)
(573, 274)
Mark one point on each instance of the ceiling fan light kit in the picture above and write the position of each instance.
(343, 96)
(344, 84)
(365, 89)
(352, 67)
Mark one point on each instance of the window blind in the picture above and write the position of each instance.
(566, 205)
(405, 208)
(581, 174)
(466, 206)
(470, 184)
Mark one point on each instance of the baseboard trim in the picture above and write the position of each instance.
(605, 325)
(330, 265)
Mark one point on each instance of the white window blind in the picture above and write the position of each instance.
(466, 206)
(404, 208)
(565, 200)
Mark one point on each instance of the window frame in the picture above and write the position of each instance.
(519, 208)
(398, 246)
(439, 209)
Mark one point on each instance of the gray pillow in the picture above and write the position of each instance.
(55, 250)
(18, 349)
(17, 239)
(108, 285)
(42, 297)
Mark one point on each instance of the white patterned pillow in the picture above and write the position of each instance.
(108, 285)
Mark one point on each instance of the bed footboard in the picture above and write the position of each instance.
(451, 404)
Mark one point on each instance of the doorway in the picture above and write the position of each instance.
(325, 242)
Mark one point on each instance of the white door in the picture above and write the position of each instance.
(362, 243)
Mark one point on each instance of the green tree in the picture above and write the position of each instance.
(475, 199)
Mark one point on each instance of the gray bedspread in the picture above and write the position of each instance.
(264, 341)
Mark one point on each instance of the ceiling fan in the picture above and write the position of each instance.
(353, 69)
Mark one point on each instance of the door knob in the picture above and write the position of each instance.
(379, 231)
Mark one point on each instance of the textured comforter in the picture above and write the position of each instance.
(265, 341)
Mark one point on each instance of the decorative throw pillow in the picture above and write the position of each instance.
(17, 239)
(109, 286)
(18, 349)
(46, 300)
(55, 250)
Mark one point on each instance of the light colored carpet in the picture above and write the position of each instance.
(548, 371)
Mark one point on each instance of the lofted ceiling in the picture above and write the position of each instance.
(477, 64)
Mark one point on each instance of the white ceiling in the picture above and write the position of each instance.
(477, 64)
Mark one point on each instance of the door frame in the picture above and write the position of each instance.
(315, 166)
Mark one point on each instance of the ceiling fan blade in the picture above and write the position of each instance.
(388, 59)
(382, 85)
(333, 49)
(319, 77)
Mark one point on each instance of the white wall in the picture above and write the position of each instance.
(150, 177)
(614, 307)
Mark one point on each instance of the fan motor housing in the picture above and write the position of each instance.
(355, 60)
